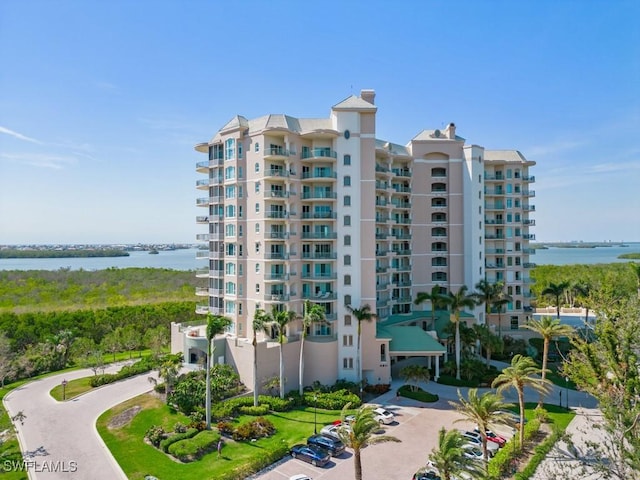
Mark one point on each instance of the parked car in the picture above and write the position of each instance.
(300, 476)
(332, 430)
(316, 456)
(383, 416)
(426, 474)
(331, 444)
(476, 440)
(471, 451)
(492, 437)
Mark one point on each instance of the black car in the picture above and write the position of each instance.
(316, 456)
(426, 474)
(332, 445)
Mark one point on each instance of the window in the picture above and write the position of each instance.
(347, 260)
(240, 232)
(230, 191)
(230, 211)
(230, 230)
(347, 299)
(230, 249)
(346, 160)
(439, 276)
(257, 147)
(347, 340)
(240, 270)
(347, 240)
(257, 187)
(229, 307)
(514, 323)
(347, 220)
(438, 172)
(347, 279)
(257, 228)
(257, 207)
(257, 167)
(230, 269)
(347, 320)
(347, 201)
(257, 288)
(230, 288)
(240, 191)
(230, 153)
(347, 363)
(239, 172)
(438, 202)
(383, 352)
(229, 173)
(257, 247)
(240, 313)
(479, 178)
(257, 268)
(346, 181)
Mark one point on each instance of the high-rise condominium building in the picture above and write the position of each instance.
(320, 209)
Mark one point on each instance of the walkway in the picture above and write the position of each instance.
(59, 439)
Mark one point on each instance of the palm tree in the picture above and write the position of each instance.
(486, 293)
(361, 433)
(415, 374)
(556, 290)
(548, 328)
(216, 324)
(169, 369)
(456, 302)
(279, 319)
(435, 297)
(490, 342)
(449, 458)
(583, 291)
(259, 325)
(523, 372)
(502, 299)
(313, 313)
(483, 410)
(363, 314)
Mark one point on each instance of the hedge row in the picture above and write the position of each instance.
(167, 442)
(500, 463)
(234, 406)
(331, 400)
(267, 457)
(540, 453)
(419, 394)
(191, 449)
(143, 366)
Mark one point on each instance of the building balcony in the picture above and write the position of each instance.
(493, 221)
(277, 214)
(382, 269)
(382, 218)
(320, 297)
(530, 251)
(401, 172)
(494, 266)
(322, 195)
(401, 189)
(205, 309)
(276, 297)
(382, 303)
(205, 201)
(276, 277)
(381, 253)
(209, 292)
(494, 192)
(381, 202)
(494, 206)
(278, 194)
(402, 236)
(529, 208)
(402, 221)
(381, 185)
(203, 167)
(382, 286)
(202, 219)
(402, 268)
(319, 215)
(529, 178)
(382, 236)
(493, 236)
(319, 235)
(438, 250)
(528, 221)
(529, 236)
(529, 193)
(403, 299)
(208, 237)
(276, 256)
(382, 169)
(402, 252)
(212, 255)
(273, 153)
(529, 265)
(276, 173)
(318, 153)
(402, 283)
(401, 204)
(277, 235)
(494, 251)
(319, 256)
(202, 273)
(319, 175)
(493, 176)
(319, 276)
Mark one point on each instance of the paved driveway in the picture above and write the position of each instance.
(59, 439)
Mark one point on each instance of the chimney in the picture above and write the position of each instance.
(451, 131)
(368, 96)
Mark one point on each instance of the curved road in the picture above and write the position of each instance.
(59, 439)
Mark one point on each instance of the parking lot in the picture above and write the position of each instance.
(416, 427)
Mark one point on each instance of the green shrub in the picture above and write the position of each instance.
(191, 449)
(225, 428)
(167, 442)
(540, 453)
(155, 434)
(179, 427)
(332, 400)
(255, 411)
(258, 428)
(143, 366)
(269, 456)
(419, 394)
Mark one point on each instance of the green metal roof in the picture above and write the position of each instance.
(442, 319)
(408, 339)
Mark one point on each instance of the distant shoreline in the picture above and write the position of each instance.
(544, 246)
(46, 253)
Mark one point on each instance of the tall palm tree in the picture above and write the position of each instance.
(523, 372)
(435, 297)
(456, 303)
(548, 328)
(449, 458)
(169, 369)
(486, 293)
(216, 324)
(279, 319)
(313, 313)
(260, 324)
(556, 290)
(502, 299)
(361, 433)
(362, 314)
(490, 342)
(583, 291)
(483, 410)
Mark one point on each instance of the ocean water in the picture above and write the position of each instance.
(571, 256)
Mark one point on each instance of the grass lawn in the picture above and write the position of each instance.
(138, 459)
(73, 389)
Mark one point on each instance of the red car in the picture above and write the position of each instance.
(492, 437)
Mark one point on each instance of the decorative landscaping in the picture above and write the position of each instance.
(417, 393)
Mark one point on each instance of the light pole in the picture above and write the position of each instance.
(566, 388)
(315, 414)
(64, 389)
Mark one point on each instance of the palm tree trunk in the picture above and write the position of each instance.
(558, 305)
(281, 373)
(301, 369)
(457, 350)
(359, 366)
(208, 392)
(255, 371)
(521, 404)
(545, 355)
(357, 463)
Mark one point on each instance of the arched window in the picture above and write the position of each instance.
(438, 232)
(383, 352)
(438, 202)
(438, 247)
(438, 172)
(438, 187)
(439, 276)
(437, 217)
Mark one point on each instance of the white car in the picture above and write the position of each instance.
(475, 439)
(383, 416)
(300, 476)
(471, 451)
(332, 430)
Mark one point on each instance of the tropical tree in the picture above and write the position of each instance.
(486, 293)
(435, 297)
(168, 370)
(456, 303)
(7, 359)
(216, 324)
(582, 291)
(523, 372)
(548, 328)
(260, 324)
(414, 374)
(490, 342)
(449, 458)
(361, 433)
(279, 319)
(502, 299)
(635, 268)
(482, 410)
(111, 342)
(313, 313)
(362, 314)
(556, 290)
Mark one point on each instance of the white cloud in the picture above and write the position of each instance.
(42, 160)
(19, 136)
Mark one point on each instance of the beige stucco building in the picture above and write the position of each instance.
(320, 209)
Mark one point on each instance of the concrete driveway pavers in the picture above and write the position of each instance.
(59, 440)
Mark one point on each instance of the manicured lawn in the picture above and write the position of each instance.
(138, 459)
(72, 389)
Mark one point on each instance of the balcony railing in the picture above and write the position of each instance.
(319, 276)
(276, 256)
(319, 174)
(277, 194)
(529, 208)
(277, 235)
(319, 256)
(276, 151)
(319, 235)
(276, 172)
(318, 215)
(277, 214)
(319, 195)
(276, 276)
(276, 297)
(318, 153)
(322, 296)
(401, 172)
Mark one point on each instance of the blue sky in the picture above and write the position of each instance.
(101, 102)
